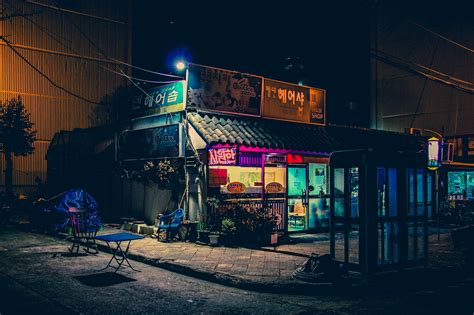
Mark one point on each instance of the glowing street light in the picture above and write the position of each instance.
(180, 65)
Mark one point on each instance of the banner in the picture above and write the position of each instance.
(212, 89)
(166, 141)
(160, 100)
(292, 102)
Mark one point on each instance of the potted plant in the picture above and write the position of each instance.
(228, 229)
(214, 237)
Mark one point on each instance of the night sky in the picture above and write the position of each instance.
(330, 42)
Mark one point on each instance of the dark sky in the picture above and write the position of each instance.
(330, 42)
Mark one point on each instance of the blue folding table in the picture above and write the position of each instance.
(118, 238)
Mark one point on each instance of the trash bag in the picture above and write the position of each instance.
(53, 213)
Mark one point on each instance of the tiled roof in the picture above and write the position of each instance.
(273, 134)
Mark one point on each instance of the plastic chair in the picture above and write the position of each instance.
(170, 223)
(82, 231)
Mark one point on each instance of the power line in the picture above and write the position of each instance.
(410, 67)
(146, 70)
(443, 37)
(424, 86)
(142, 80)
(44, 75)
(110, 58)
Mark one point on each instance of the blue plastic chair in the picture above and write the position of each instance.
(170, 223)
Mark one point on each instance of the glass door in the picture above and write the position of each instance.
(297, 198)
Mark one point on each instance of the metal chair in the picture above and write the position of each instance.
(170, 223)
(82, 231)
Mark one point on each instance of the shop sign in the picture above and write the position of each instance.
(274, 187)
(160, 100)
(213, 89)
(223, 156)
(158, 142)
(286, 101)
(236, 187)
(433, 153)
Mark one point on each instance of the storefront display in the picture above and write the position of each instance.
(461, 185)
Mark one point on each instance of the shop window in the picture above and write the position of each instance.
(238, 180)
(275, 180)
(318, 179)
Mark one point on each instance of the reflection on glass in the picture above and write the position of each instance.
(296, 215)
(392, 192)
(354, 189)
(411, 191)
(318, 213)
(318, 178)
(381, 190)
(420, 191)
(296, 181)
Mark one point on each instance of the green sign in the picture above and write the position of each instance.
(160, 100)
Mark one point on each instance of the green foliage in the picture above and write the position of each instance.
(228, 226)
(16, 133)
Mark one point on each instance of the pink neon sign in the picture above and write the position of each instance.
(223, 156)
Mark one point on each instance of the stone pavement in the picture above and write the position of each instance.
(239, 266)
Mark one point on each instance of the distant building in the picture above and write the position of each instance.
(73, 44)
(422, 70)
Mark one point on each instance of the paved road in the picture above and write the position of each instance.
(36, 277)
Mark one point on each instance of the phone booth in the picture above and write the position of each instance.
(378, 210)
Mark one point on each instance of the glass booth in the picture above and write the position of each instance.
(378, 210)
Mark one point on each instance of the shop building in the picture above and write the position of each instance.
(246, 139)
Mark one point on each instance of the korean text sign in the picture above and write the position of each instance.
(223, 156)
(156, 142)
(160, 100)
(212, 89)
(292, 102)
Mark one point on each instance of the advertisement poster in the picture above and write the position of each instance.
(456, 185)
(292, 102)
(150, 143)
(212, 89)
(160, 100)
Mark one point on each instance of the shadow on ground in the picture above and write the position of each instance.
(103, 279)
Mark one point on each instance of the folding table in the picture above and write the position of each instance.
(118, 238)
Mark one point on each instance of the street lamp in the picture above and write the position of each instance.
(180, 65)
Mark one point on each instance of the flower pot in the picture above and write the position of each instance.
(214, 239)
(274, 238)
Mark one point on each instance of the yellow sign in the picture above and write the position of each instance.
(274, 187)
(236, 187)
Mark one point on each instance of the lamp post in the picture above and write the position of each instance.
(436, 169)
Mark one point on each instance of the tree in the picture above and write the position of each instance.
(16, 136)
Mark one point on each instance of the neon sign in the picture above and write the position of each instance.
(223, 156)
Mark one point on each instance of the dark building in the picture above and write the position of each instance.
(73, 44)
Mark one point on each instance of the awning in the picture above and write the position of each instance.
(273, 134)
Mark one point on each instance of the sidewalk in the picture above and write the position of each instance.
(263, 269)
(269, 269)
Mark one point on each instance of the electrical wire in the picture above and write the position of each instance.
(138, 79)
(44, 75)
(410, 67)
(146, 70)
(135, 84)
(424, 86)
(443, 37)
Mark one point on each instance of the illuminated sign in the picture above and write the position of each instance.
(160, 100)
(274, 187)
(223, 156)
(433, 153)
(292, 102)
(213, 89)
(236, 187)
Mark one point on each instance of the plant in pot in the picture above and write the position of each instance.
(228, 229)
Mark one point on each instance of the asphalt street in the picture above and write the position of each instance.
(38, 276)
